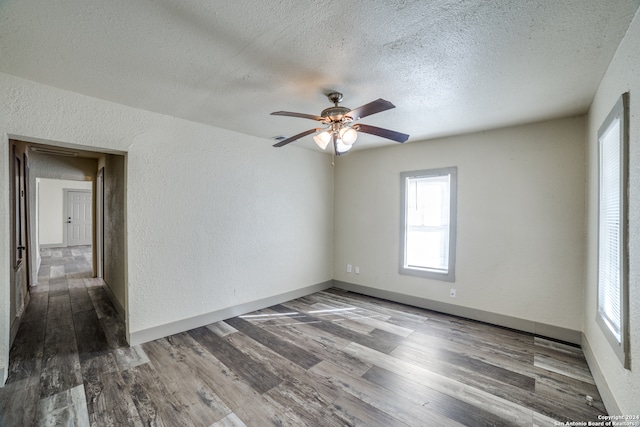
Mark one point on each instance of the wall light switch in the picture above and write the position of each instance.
(452, 293)
(357, 270)
(349, 267)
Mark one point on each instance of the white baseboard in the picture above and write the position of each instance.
(53, 245)
(603, 388)
(150, 334)
(536, 328)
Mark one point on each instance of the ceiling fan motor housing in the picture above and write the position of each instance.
(336, 114)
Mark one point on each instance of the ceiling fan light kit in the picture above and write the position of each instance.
(348, 135)
(340, 129)
(322, 139)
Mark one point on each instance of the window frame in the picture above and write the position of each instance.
(449, 275)
(618, 115)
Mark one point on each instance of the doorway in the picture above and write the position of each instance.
(28, 163)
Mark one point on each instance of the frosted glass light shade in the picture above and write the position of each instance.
(341, 147)
(322, 139)
(348, 135)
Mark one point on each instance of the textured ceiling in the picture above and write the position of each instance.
(449, 66)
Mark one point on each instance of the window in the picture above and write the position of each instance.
(612, 229)
(428, 223)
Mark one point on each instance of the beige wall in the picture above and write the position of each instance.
(51, 215)
(622, 76)
(520, 222)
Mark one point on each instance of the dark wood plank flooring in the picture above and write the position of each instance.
(333, 358)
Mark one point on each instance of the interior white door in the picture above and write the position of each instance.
(79, 220)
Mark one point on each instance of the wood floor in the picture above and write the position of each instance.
(333, 358)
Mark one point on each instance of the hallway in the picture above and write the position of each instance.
(68, 323)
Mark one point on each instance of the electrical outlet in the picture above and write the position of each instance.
(357, 270)
(349, 267)
(452, 293)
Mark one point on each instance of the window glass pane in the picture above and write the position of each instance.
(427, 230)
(427, 249)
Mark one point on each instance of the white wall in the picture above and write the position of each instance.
(214, 218)
(520, 220)
(51, 204)
(224, 219)
(622, 76)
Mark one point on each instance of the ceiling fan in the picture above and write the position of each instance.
(339, 125)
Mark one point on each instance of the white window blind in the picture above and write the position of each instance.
(613, 287)
(610, 250)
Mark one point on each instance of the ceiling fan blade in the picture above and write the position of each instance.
(371, 108)
(385, 133)
(300, 115)
(295, 137)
